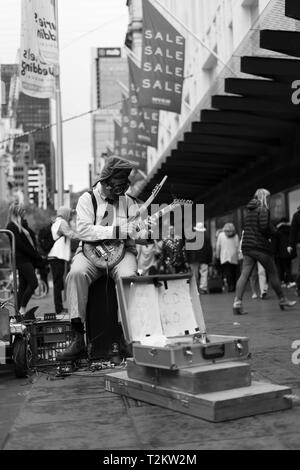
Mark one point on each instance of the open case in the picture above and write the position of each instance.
(163, 319)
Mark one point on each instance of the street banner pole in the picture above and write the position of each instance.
(59, 134)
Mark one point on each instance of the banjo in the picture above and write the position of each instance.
(106, 254)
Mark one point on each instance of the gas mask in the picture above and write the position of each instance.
(118, 190)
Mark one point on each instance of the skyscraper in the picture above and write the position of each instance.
(109, 81)
(33, 113)
(28, 113)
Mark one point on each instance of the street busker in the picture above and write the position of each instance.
(110, 197)
(256, 246)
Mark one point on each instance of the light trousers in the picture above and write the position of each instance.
(258, 280)
(83, 273)
(200, 271)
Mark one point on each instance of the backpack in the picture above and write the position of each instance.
(45, 238)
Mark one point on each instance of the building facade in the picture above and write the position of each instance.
(238, 129)
(109, 81)
(21, 114)
(37, 189)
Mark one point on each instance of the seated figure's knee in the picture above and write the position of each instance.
(76, 273)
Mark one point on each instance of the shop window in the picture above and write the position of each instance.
(294, 202)
(277, 207)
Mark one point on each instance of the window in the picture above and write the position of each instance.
(294, 202)
(253, 6)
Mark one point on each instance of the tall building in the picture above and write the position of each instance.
(33, 113)
(109, 81)
(25, 114)
(37, 185)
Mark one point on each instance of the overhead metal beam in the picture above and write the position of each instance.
(268, 89)
(285, 42)
(283, 70)
(258, 133)
(292, 9)
(285, 110)
(244, 119)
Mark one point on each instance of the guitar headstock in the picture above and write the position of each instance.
(182, 202)
(158, 187)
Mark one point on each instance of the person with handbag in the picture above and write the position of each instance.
(60, 254)
(27, 256)
(256, 246)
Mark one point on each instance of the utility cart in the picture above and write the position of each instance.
(15, 347)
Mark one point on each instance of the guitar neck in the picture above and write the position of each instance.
(149, 201)
(155, 217)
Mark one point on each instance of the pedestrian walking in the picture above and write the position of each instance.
(258, 282)
(256, 246)
(283, 257)
(60, 254)
(27, 256)
(294, 243)
(199, 260)
(227, 252)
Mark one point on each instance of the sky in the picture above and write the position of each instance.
(109, 20)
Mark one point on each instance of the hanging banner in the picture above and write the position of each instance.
(117, 138)
(163, 56)
(133, 151)
(144, 123)
(39, 48)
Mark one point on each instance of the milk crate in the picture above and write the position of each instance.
(48, 338)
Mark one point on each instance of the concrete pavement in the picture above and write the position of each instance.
(77, 413)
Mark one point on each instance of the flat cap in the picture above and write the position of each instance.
(112, 166)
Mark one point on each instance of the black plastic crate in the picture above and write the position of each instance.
(48, 338)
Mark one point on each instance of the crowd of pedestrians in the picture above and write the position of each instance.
(262, 255)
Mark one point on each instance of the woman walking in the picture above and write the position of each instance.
(256, 246)
(227, 252)
(27, 256)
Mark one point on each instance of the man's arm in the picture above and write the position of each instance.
(293, 232)
(65, 229)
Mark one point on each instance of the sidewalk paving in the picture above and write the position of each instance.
(77, 412)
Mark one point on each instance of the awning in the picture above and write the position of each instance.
(249, 137)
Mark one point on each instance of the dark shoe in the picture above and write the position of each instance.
(263, 296)
(238, 308)
(114, 354)
(75, 351)
(27, 316)
(239, 311)
(202, 291)
(30, 314)
(284, 302)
